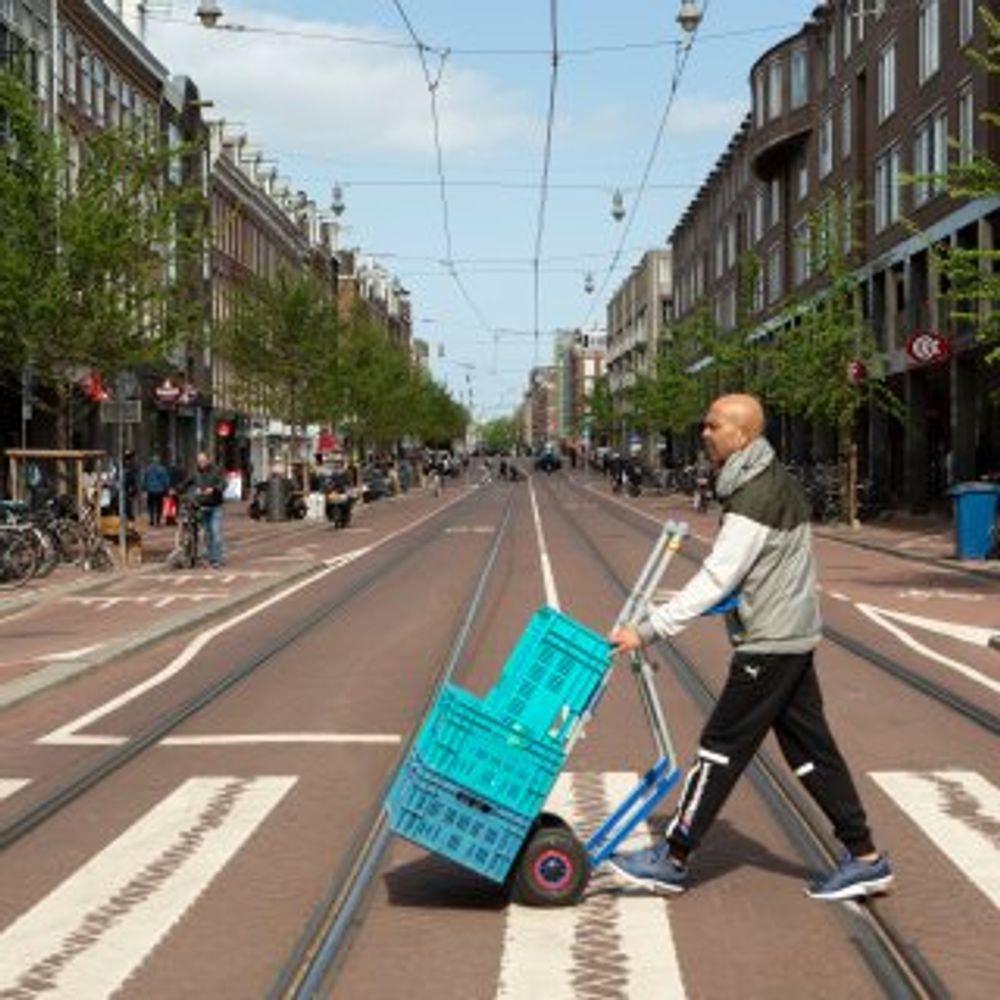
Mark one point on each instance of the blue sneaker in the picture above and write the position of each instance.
(652, 867)
(853, 879)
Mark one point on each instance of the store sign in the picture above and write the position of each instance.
(926, 347)
(167, 391)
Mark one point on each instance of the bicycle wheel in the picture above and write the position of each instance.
(46, 553)
(17, 562)
(69, 537)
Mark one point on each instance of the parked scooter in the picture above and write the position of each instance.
(340, 498)
(295, 501)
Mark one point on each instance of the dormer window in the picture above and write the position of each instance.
(799, 78)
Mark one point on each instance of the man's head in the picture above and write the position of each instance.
(203, 460)
(732, 423)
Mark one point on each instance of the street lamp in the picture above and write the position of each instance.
(337, 201)
(689, 17)
(588, 283)
(617, 206)
(209, 13)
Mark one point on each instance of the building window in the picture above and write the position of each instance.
(887, 81)
(775, 201)
(731, 243)
(928, 44)
(831, 51)
(826, 144)
(966, 21)
(846, 31)
(860, 15)
(759, 104)
(847, 221)
(966, 125)
(886, 189)
(799, 78)
(803, 253)
(930, 156)
(846, 124)
(775, 80)
(758, 215)
(803, 175)
(774, 275)
(759, 282)
(69, 66)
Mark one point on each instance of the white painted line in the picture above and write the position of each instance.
(545, 952)
(959, 811)
(10, 786)
(252, 739)
(964, 669)
(88, 935)
(964, 633)
(68, 734)
(918, 594)
(551, 596)
(69, 654)
(649, 517)
(838, 596)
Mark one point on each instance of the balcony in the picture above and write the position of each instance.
(777, 142)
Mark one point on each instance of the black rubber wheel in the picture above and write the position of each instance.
(553, 868)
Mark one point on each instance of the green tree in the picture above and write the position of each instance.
(600, 408)
(95, 257)
(499, 435)
(973, 276)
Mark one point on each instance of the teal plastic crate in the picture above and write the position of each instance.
(442, 816)
(551, 676)
(491, 757)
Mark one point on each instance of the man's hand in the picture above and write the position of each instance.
(625, 639)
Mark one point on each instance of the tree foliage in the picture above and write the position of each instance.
(92, 255)
(973, 275)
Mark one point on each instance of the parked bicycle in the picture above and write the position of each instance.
(185, 553)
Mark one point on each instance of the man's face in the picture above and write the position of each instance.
(723, 436)
(203, 461)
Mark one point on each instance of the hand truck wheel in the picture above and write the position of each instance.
(553, 868)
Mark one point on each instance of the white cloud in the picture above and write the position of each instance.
(315, 96)
(691, 115)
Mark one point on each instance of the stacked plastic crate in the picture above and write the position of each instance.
(480, 770)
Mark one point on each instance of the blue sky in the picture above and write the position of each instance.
(360, 114)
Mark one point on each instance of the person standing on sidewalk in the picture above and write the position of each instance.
(763, 552)
(155, 482)
(209, 488)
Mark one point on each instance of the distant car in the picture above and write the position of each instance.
(548, 461)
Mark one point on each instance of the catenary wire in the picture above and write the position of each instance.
(546, 163)
(683, 55)
(432, 87)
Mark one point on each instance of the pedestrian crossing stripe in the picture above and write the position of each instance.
(960, 812)
(9, 786)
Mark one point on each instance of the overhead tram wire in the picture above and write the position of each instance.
(432, 89)
(388, 43)
(684, 53)
(546, 163)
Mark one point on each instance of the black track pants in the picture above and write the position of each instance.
(765, 690)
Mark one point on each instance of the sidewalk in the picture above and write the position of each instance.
(53, 629)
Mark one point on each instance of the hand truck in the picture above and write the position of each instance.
(474, 784)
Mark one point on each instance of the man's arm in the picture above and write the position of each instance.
(737, 546)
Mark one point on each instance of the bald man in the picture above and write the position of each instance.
(763, 554)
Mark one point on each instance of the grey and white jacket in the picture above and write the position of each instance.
(763, 551)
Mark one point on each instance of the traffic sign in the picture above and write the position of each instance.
(121, 411)
(927, 347)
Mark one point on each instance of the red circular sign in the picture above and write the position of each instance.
(857, 372)
(927, 347)
(224, 428)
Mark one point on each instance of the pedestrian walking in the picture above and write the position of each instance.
(155, 483)
(763, 555)
(208, 486)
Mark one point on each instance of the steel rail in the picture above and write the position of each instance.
(938, 693)
(897, 965)
(321, 948)
(69, 791)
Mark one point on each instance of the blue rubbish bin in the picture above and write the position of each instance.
(975, 519)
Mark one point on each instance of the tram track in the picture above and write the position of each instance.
(896, 964)
(317, 954)
(34, 815)
(938, 693)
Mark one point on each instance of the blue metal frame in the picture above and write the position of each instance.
(653, 787)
